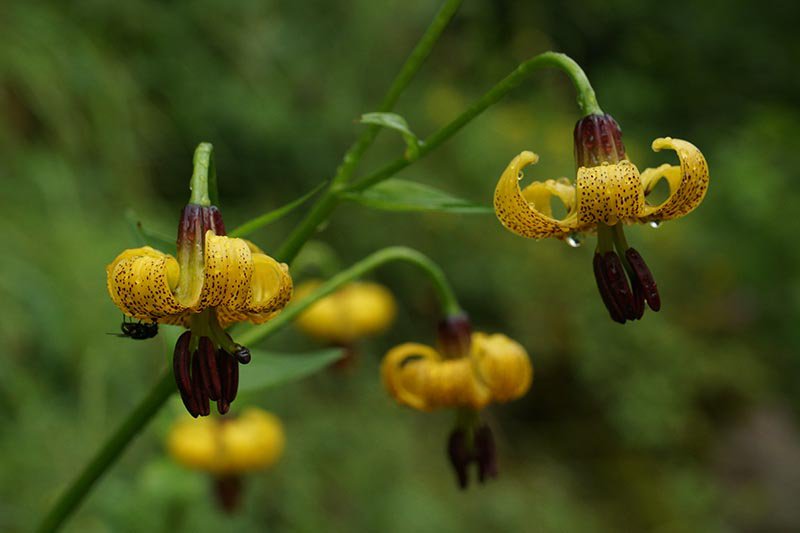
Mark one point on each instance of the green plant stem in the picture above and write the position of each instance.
(447, 297)
(586, 101)
(328, 201)
(204, 175)
(68, 501)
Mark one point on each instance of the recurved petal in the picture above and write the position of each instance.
(502, 364)
(609, 193)
(404, 371)
(141, 282)
(520, 215)
(270, 289)
(228, 273)
(539, 194)
(688, 183)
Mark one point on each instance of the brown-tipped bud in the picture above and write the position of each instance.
(228, 490)
(460, 455)
(181, 365)
(485, 453)
(455, 336)
(645, 278)
(195, 221)
(598, 140)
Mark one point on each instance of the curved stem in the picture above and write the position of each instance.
(326, 204)
(204, 175)
(586, 101)
(68, 501)
(447, 297)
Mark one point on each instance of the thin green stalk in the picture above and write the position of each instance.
(447, 297)
(326, 204)
(203, 176)
(586, 101)
(69, 501)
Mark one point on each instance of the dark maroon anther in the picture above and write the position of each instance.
(228, 490)
(645, 278)
(638, 298)
(455, 336)
(605, 290)
(618, 284)
(485, 453)
(233, 379)
(207, 354)
(242, 354)
(460, 456)
(198, 388)
(181, 364)
(223, 404)
(598, 140)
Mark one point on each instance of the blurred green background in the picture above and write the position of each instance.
(685, 421)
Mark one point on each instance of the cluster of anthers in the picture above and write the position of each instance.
(608, 193)
(467, 372)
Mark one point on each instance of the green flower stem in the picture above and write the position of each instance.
(447, 297)
(108, 454)
(204, 176)
(605, 238)
(586, 101)
(326, 204)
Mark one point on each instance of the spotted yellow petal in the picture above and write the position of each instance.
(141, 282)
(502, 364)
(527, 217)
(608, 194)
(228, 272)
(270, 289)
(688, 182)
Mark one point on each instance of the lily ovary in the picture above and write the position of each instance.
(608, 193)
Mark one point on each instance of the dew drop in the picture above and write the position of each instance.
(655, 224)
(520, 175)
(574, 240)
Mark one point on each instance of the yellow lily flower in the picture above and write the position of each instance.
(357, 310)
(467, 372)
(214, 282)
(228, 448)
(608, 192)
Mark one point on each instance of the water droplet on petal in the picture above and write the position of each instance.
(574, 240)
(520, 175)
(655, 224)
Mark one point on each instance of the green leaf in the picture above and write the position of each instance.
(146, 236)
(393, 121)
(269, 369)
(271, 216)
(402, 195)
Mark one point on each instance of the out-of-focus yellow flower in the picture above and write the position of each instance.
(252, 441)
(608, 192)
(497, 369)
(357, 310)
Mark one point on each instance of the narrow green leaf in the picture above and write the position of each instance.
(393, 121)
(402, 195)
(267, 218)
(146, 236)
(269, 369)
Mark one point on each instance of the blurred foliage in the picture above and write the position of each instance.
(686, 421)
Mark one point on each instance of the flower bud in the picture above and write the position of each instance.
(598, 140)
